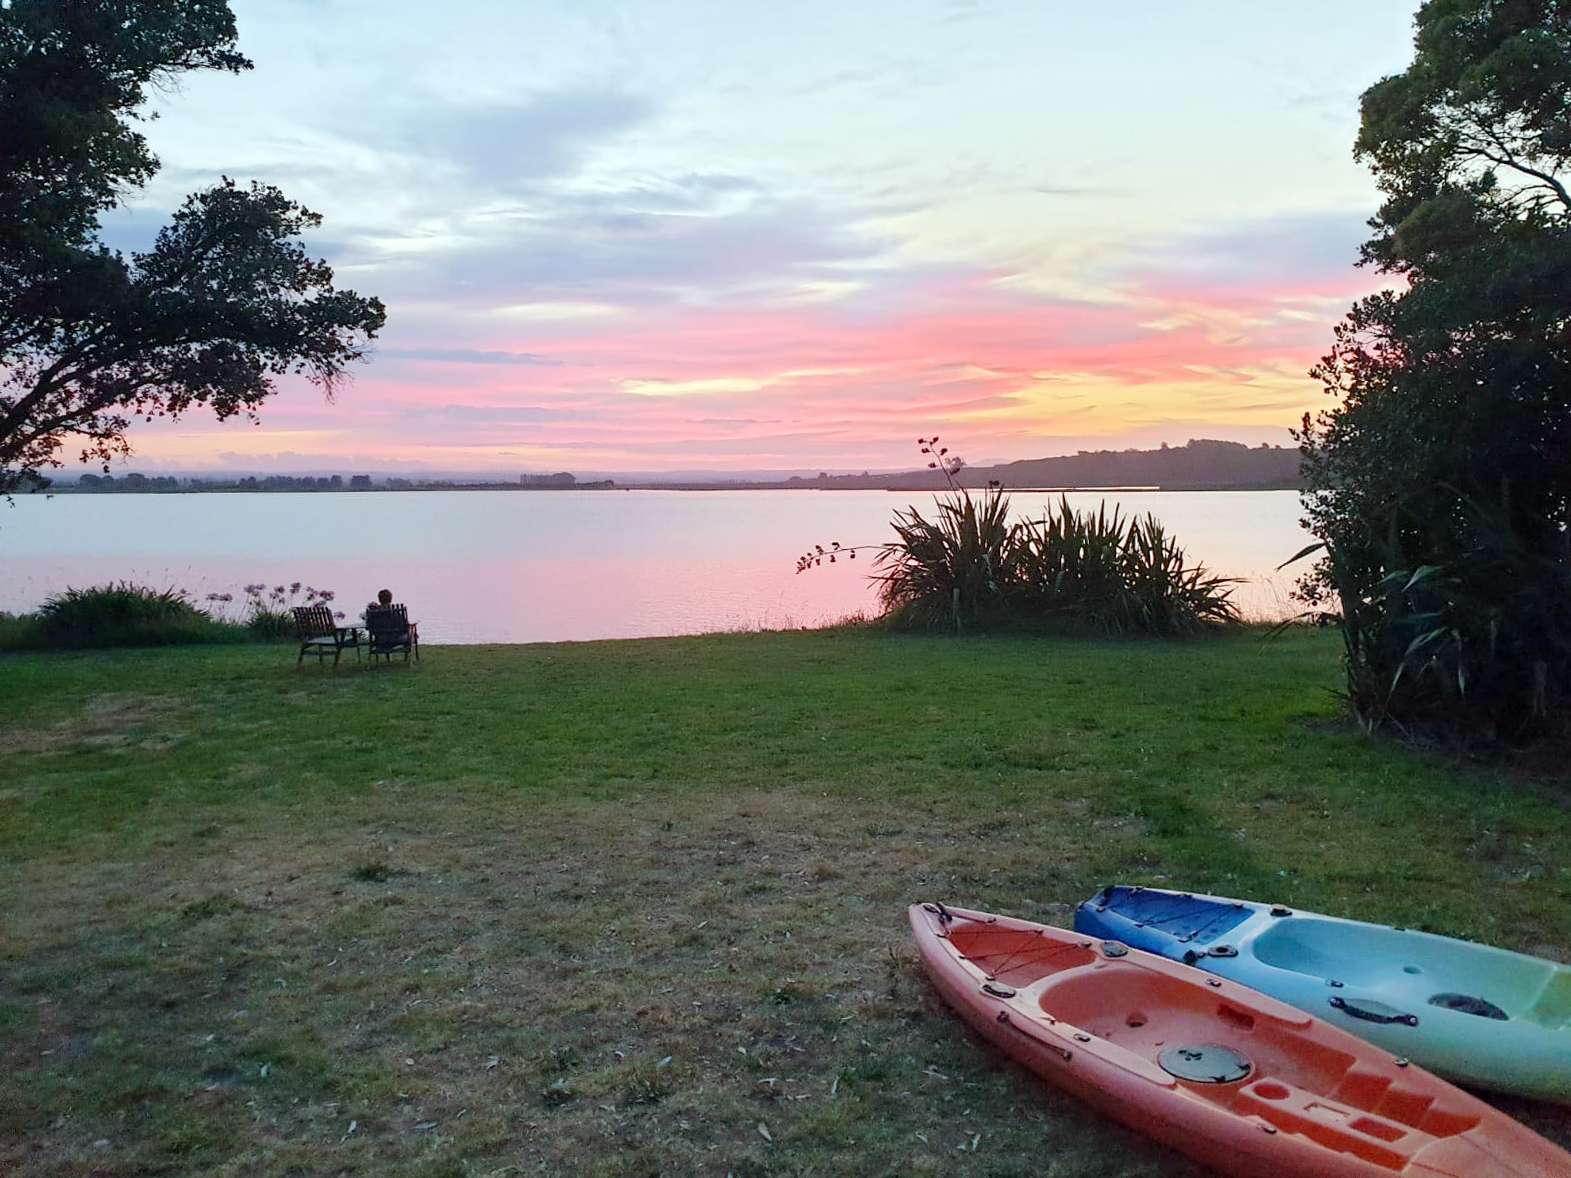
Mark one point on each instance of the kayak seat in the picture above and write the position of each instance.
(1128, 1003)
(1123, 1003)
(1337, 1126)
(1362, 1088)
(1389, 1134)
(1468, 1004)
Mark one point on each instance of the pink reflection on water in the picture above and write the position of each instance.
(506, 599)
(528, 567)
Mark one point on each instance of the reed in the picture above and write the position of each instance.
(952, 571)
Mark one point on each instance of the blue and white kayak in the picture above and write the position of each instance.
(1471, 1013)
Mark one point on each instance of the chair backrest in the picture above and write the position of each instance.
(315, 621)
(387, 623)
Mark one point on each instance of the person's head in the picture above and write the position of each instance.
(384, 597)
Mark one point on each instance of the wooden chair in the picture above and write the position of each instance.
(389, 631)
(321, 635)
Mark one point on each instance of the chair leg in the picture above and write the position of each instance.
(299, 662)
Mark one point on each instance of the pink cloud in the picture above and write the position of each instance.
(782, 384)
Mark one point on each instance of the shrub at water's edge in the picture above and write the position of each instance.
(125, 614)
(1121, 576)
(950, 572)
(969, 567)
(117, 614)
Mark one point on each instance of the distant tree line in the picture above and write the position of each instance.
(135, 482)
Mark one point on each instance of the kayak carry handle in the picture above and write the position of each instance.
(1057, 1049)
(1373, 1012)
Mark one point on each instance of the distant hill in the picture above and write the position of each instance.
(1199, 464)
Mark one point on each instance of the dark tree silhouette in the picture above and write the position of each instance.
(224, 303)
(1440, 484)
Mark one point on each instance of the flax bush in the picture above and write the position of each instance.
(966, 566)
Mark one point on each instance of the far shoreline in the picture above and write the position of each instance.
(1132, 488)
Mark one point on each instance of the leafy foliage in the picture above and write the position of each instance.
(970, 567)
(953, 570)
(121, 614)
(224, 303)
(1439, 486)
(1124, 576)
(125, 614)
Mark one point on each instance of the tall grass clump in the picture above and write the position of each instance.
(120, 614)
(970, 567)
(951, 571)
(1117, 575)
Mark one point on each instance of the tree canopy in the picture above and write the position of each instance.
(1441, 481)
(225, 301)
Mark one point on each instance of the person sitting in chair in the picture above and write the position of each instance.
(383, 639)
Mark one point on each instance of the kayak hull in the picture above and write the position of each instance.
(1235, 1080)
(1472, 1013)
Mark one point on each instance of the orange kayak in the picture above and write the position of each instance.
(1237, 1081)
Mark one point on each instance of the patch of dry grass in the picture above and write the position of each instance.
(723, 987)
(109, 719)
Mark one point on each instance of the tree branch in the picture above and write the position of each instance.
(1507, 159)
(47, 382)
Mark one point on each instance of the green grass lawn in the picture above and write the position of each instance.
(636, 908)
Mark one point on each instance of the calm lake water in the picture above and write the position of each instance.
(480, 566)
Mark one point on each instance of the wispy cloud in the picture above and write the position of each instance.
(465, 356)
(719, 235)
(505, 146)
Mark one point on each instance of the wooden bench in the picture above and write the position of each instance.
(321, 635)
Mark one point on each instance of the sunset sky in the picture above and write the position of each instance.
(678, 234)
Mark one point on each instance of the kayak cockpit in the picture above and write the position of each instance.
(1253, 1062)
(1250, 1061)
(1412, 971)
(1146, 1012)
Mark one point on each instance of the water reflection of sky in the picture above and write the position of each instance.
(540, 566)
